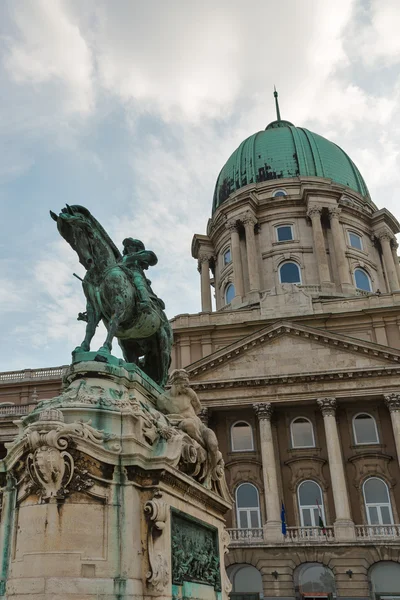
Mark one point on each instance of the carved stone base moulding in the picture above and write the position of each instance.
(99, 475)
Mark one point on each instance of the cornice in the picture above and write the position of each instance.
(286, 328)
(294, 379)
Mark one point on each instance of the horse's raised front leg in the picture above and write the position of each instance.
(92, 320)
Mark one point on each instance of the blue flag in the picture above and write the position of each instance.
(283, 519)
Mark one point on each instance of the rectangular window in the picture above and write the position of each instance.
(284, 233)
(355, 241)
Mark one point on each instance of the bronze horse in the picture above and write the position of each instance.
(145, 336)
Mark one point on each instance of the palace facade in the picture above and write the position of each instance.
(297, 364)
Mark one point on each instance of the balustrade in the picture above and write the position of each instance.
(246, 536)
(309, 534)
(368, 532)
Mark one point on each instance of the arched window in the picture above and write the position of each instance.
(229, 293)
(248, 506)
(227, 256)
(284, 233)
(311, 504)
(246, 581)
(365, 430)
(289, 272)
(241, 437)
(377, 502)
(385, 578)
(278, 193)
(355, 240)
(362, 280)
(314, 577)
(302, 433)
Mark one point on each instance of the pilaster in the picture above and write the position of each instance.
(340, 250)
(233, 227)
(314, 213)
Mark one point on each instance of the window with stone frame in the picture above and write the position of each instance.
(355, 240)
(242, 437)
(289, 272)
(311, 503)
(302, 433)
(378, 506)
(365, 429)
(362, 280)
(229, 293)
(284, 233)
(248, 506)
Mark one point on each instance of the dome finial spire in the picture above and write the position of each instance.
(278, 114)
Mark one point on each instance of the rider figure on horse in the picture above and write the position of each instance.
(136, 258)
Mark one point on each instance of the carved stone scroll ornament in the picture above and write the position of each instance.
(50, 467)
(225, 541)
(156, 511)
(392, 401)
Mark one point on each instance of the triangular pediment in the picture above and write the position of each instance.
(287, 349)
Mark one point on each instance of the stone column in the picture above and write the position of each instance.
(204, 266)
(393, 403)
(314, 212)
(340, 250)
(273, 527)
(385, 239)
(236, 258)
(249, 221)
(395, 245)
(344, 526)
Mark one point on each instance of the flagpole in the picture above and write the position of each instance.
(321, 520)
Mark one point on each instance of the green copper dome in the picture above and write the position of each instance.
(283, 150)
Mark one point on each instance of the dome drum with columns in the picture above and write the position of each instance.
(309, 222)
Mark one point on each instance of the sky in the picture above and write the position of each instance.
(132, 108)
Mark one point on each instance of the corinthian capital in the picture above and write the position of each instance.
(327, 406)
(205, 257)
(232, 225)
(392, 401)
(334, 212)
(314, 211)
(385, 235)
(263, 410)
(248, 219)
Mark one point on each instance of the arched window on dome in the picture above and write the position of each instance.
(278, 193)
(377, 502)
(302, 433)
(362, 280)
(289, 272)
(229, 293)
(242, 437)
(248, 506)
(365, 430)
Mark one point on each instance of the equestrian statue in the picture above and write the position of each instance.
(118, 293)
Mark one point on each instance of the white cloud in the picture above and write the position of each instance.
(188, 82)
(48, 47)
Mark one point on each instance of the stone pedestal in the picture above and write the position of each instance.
(103, 498)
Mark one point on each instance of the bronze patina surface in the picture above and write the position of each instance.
(118, 293)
